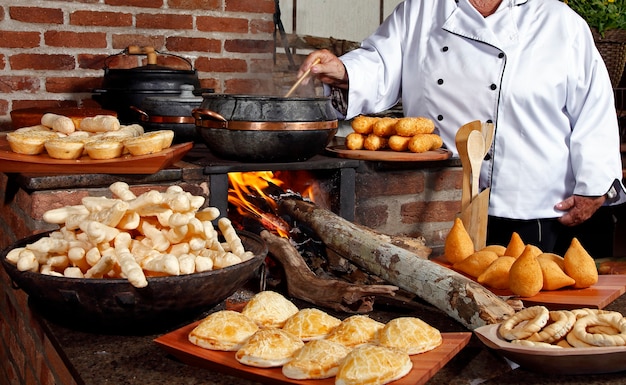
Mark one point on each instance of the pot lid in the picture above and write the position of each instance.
(186, 96)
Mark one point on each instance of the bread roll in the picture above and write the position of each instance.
(65, 148)
(105, 148)
(29, 142)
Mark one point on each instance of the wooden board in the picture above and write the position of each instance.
(606, 290)
(128, 164)
(341, 151)
(425, 365)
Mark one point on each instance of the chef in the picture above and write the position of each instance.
(528, 66)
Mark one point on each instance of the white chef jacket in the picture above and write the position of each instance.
(531, 68)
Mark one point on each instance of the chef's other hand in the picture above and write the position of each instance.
(330, 70)
(578, 209)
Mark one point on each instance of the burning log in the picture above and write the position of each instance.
(302, 283)
(461, 298)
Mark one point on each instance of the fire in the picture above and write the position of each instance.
(255, 193)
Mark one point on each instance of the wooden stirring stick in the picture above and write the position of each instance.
(301, 78)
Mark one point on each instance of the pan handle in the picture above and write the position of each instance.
(207, 118)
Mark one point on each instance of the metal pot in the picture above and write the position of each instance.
(122, 88)
(265, 128)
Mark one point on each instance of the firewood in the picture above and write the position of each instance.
(456, 295)
(303, 284)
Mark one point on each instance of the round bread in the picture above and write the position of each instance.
(224, 330)
(409, 334)
(269, 309)
(65, 148)
(318, 359)
(29, 142)
(310, 324)
(269, 348)
(144, 144)
(104, 148)
(356, 330)
(373, 364)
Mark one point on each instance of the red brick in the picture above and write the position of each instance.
(3, 61)
(249, 86)
(76, 39)
(110, 19)
(193, 44)
(372, 217)
(446, 179)
(42, 62)
(164, 21)
(72, 85)
(91, 62)
(136, 3)
(36, 15)
(43, 201)
(371, 185)
(17, 104)
(1, 14)
(27, 84)
(262, 65)
(249, 46)
(221, 65)
(17, 39)
(433, 211)
(211, 5)
(121, 41)
(221, 24)
(259, 6)
(209, 83)
(261, 26)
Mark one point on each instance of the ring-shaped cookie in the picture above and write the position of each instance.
(536, 318)
(615, 320)
(562, 323)
(535, 344)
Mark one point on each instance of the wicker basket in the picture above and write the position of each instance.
(612, 48)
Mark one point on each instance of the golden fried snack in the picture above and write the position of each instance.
(561, 323)
(311, 324)
(525, 276)
(356, 330)
(614, 320)
(476, 264)
(355, 141)
(269, 309)
(269, 348)
(364, 124)
(458, 244)
(374, 142)
(524, 323)
(580, 265)
(554, 277)
(516, 246)
(410, 126)
(554, 258)
(224, 330)
(318, 359)
(398, 143)
(372, 364)
(384, 127)
(425, 142)
(410, 334)
(498, 249)
(496, 275)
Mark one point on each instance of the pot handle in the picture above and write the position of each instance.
(207, 118)
(144, 115)
(150, 52)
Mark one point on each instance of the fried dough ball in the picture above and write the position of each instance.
(525, 276)
(355, 141)
(458, 244)
(580, 265)
(410, 126)
(425, 142)
(364, 124)
(374, 142)
(398, 143)
(384, 127)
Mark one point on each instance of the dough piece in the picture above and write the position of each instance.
(535, 344)
(614, 320)
(516, 246)
(398, 143)
(269, 348)
(224, 330)
(364, 124)
(525, 276)
(311, 324)
(410, 126)
(354, 141)
(104, 148)
(496, 275)
(373, 365)
(65, 148)
(476, 264)
(524, 323)
(29, 142)
(269, 309)
(580, 265)
(458, 244)
(409, 334)
(318, 359)
(425, 142)
(374, 142)
(554, 277)
(356, 330)
(384, 127)
(561, 323)
(498, 249)
(100, 123)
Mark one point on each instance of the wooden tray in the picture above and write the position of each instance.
(341, 151)
(606, 290)
(128, 164)
(425, 365)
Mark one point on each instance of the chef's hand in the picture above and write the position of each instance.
(330, 70)
(578, 209)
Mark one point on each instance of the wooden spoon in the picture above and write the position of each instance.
(476, 154)
(301, 78)
(461, 147)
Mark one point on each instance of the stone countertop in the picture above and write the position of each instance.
(101, 359)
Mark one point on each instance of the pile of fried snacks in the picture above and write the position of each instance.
(133, 237)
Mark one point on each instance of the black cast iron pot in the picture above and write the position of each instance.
(265, 128)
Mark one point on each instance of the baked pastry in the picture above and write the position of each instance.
(225, 330)
(311, 324)
(356, 330)
(373, 365)
(269, 348)
(149, 142)
(409, 334)
(269, 309)
(104, 148)
(316, 360)
(29, 142)
(68, 147)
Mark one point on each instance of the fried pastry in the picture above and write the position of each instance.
(384, 127)
(425, 142)
(364, 124)
(525, 276)
(269, 348)
(580, 265)
(318, 359)
(498, 249)
(411, 126)
(409, 334)
(516, 246)
(554, 277)
(356, 330)
(476, 263)
(374, 142)
(224, 330)
(310, 324)
(458, 244)
(398, 143)
(355, 141)
(496, 275)
(269, 309)
(373, 365)
(554, 258)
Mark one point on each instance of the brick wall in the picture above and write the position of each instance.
(52, 52)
